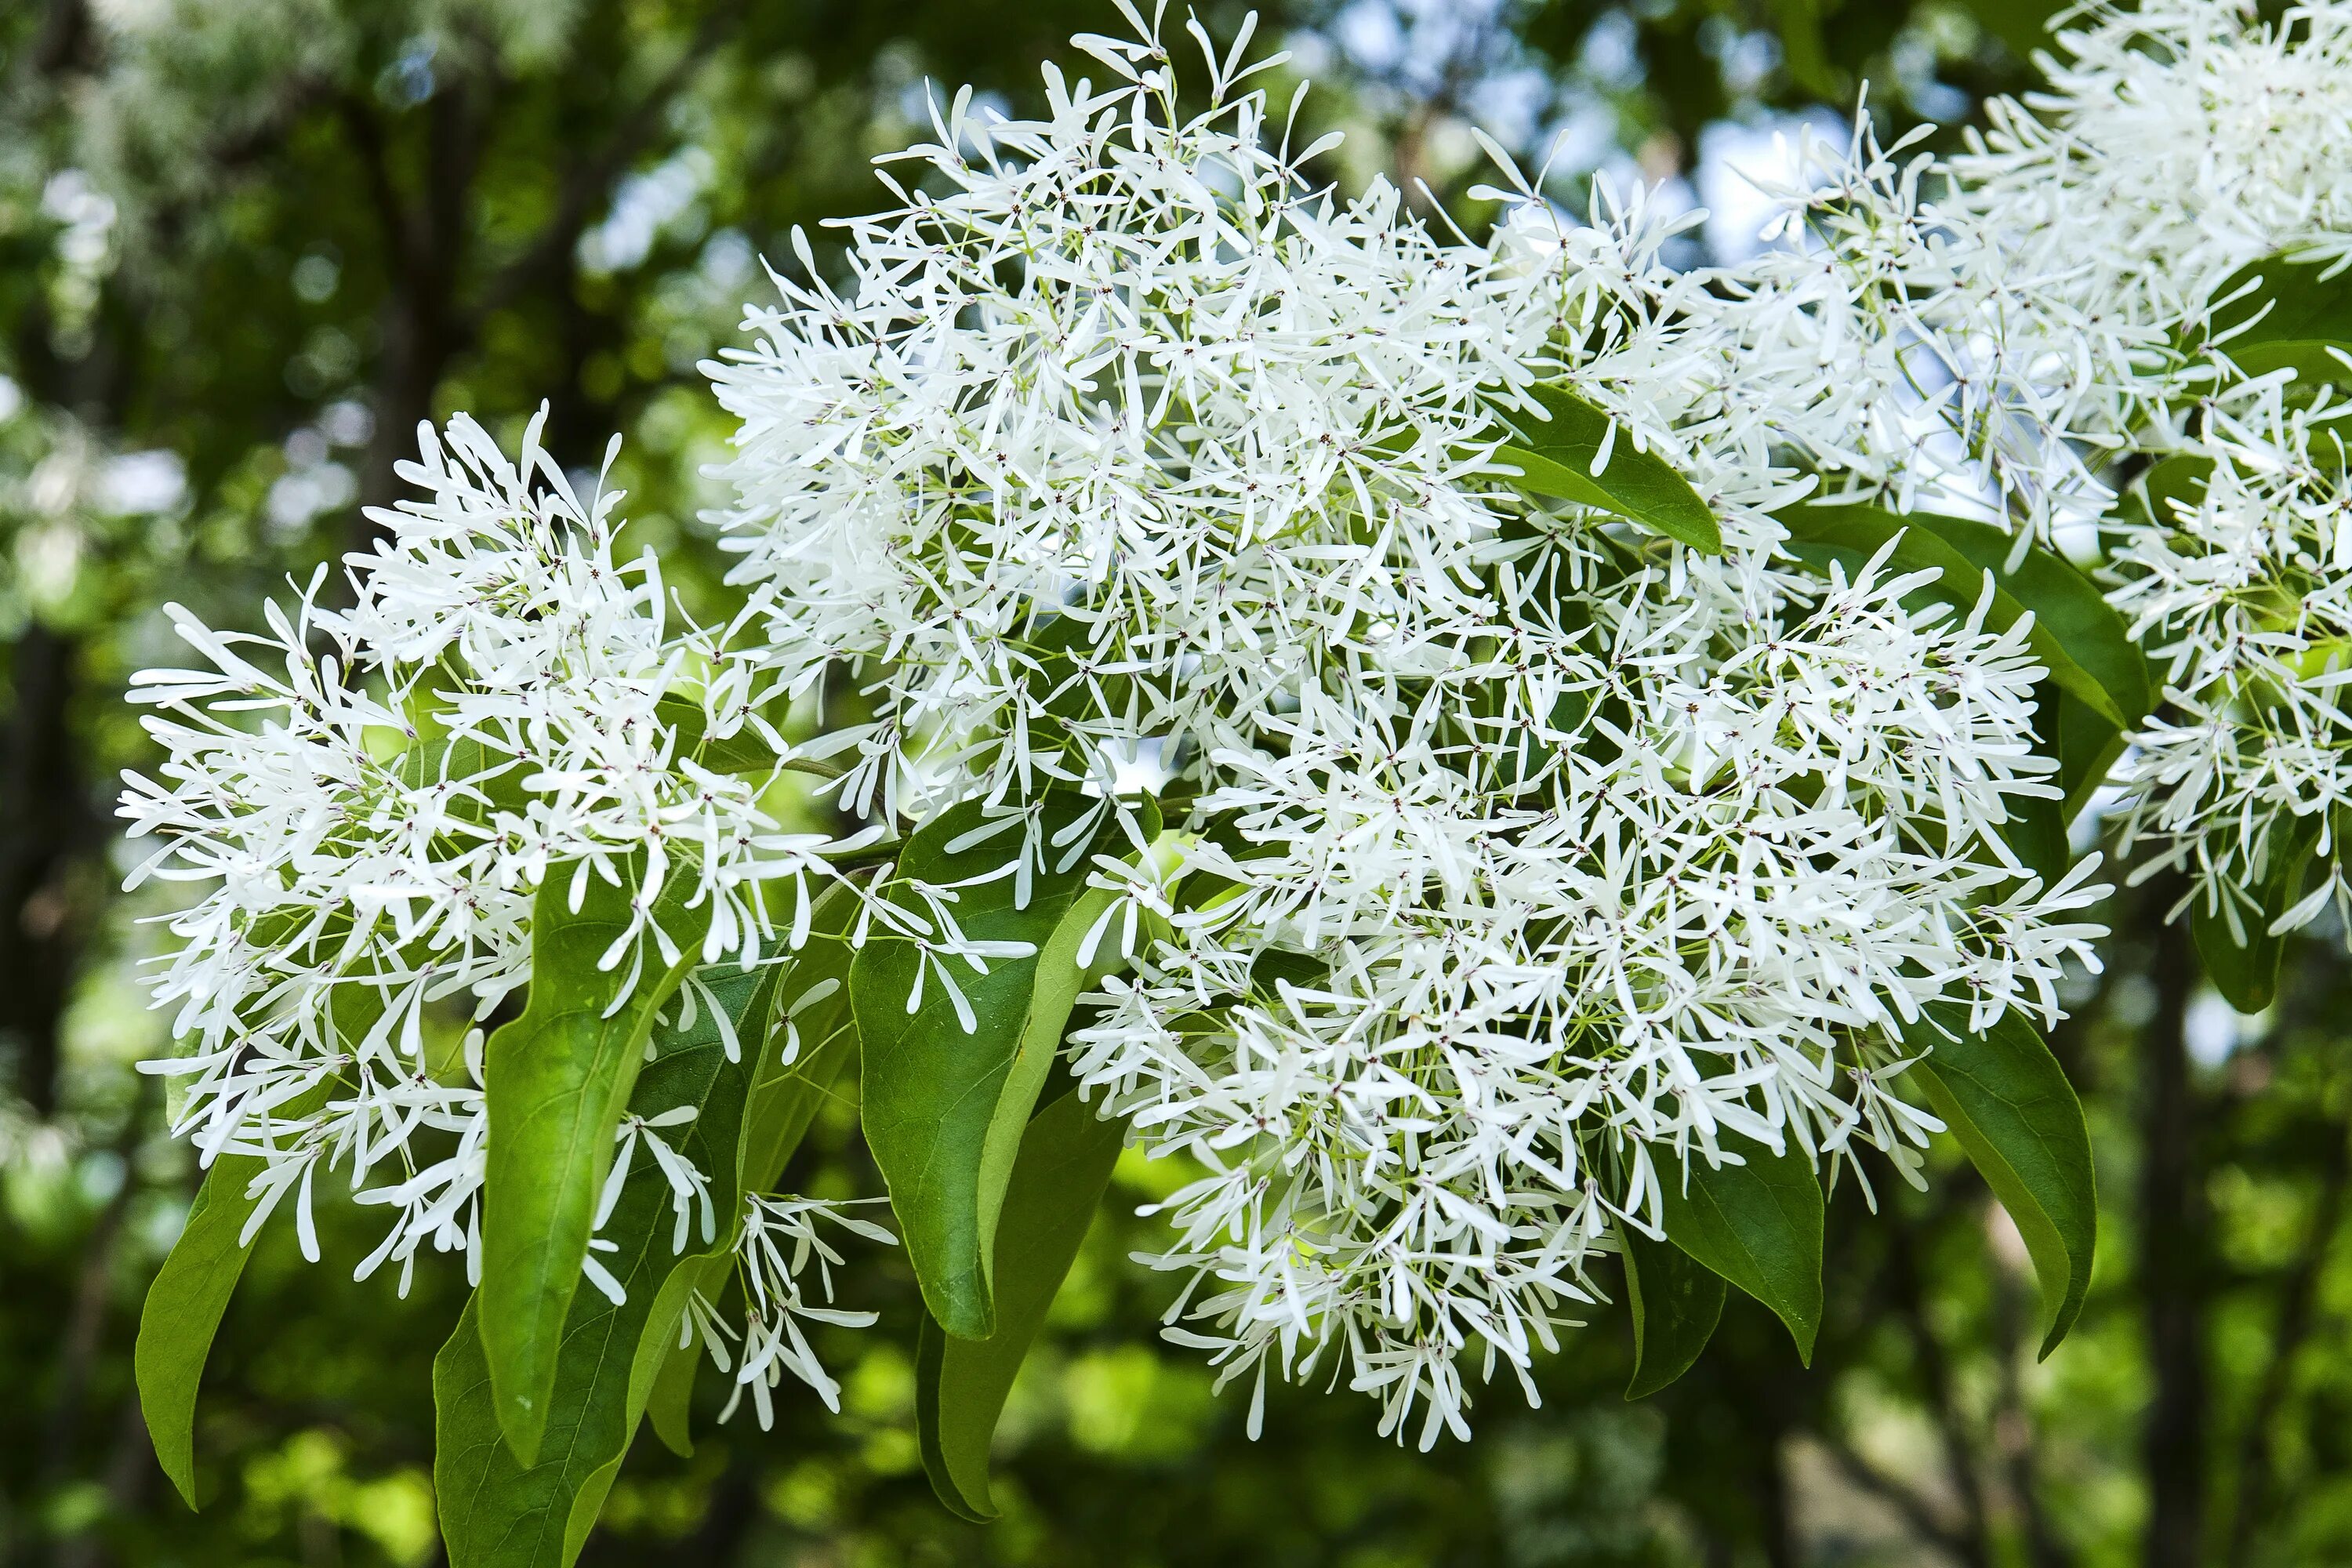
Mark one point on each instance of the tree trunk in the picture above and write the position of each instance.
(2174, 1250)
(45, 826)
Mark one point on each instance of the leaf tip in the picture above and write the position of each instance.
(181, 1468)
(1806, 1331)
(523, 1423)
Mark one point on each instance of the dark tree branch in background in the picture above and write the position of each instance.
(589, 182)
(2014, 1426)
(62, 41)
(1906, 1292)
(48, 827)
(129, 1476)
(2290, 1328)
(2174, 1253)
(425, 239)
(1918, 1517)
(84, 1330)
(427, 325)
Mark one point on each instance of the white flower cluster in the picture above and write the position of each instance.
(2073, 292)
(2022, 307)
(1521, 857)
(374, 795)
(780, 1243)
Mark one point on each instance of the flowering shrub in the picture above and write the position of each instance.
(1508, 764)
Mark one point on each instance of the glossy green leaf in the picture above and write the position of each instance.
(2036, 825)
(1852, 535)
(2009, 1103)
(2315, 364)
(2291, 316)
(811, 1038)
(184, 1307)
(944, 1108)
(1757, 1223)
(1555, 457)
(1675, 1303)
(2170, 486)
(556, 1081)
(2284, 301)
(742, 752)
(2241, 957)
(2088, 747)
(497, 1512)
(1067, 1155)
(2066, 605)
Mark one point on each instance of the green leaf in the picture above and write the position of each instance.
(1676, 1304)
(944, 1109)
(1555, 457)
(497, 1512)
(2088, 748)
(2036, 825)
(2241, 957)
(2066, 604)
(2170, 486)
(2315, 364)
(555, 1081)
(814, 1026)
(2292, 317)
(2009, 1103)
(741, 753)
(1852, 534)
(2290, 301)
(184, 1307)
(810, 1022)
(1758, 1224)
(1067, 1155)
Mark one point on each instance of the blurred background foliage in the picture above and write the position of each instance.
(247, 244)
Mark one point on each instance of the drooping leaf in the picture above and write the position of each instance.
(1852, 535)
(1758, 1224)
(497, 1512)
(2291, 315)
(1067, 1155)
(2282, 300)
(944, 1108)
(1676, 1304)
(184, 1307)
(1555, 457)
(556, 1081)
(741, 753)
(2066, 604)
(2088, 747)
(2170, 486)
(810, 1039)
(2241, 957)
(2008, 1101)
(2035, 828)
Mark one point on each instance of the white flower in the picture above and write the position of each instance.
(1516, 854)
(774, 1256)
(2059, 288)
(373, 796)
(1515, 857)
